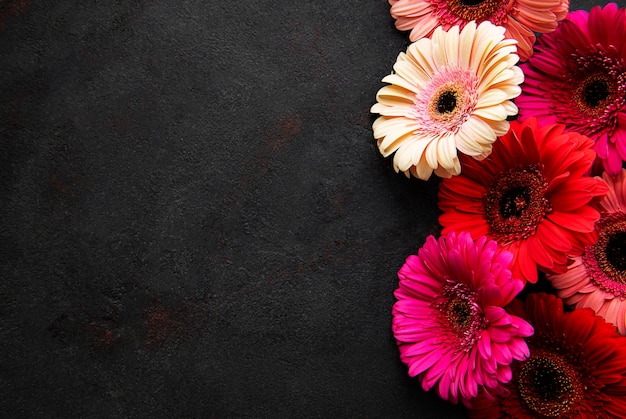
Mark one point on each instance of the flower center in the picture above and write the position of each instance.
(606, 260)
(461, 313)
(477, 10)
(616, 250)
(446, 102)
(593, 93)
(548, 385)
(515, 203)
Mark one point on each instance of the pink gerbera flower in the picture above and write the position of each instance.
(531, 195)
(449, 322)
(597, 278)
(577, 77)
(520, 18)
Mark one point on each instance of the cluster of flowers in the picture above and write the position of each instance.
(534, 189)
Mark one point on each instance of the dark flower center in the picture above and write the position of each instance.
(515, 203)
(471, 2)
(616, 250)
(606, 259)
(594, 92)
(446, 102)
(548, 385)
(477, 10)
(461, 313)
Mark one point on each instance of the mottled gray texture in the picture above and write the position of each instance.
(195, 219)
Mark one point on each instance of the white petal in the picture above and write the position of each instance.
(452, 46)
(395, 79)
(466, 39)
(491, 97)
(496, 112)
(446, 151)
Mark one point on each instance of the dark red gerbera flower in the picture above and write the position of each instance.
(576, 368)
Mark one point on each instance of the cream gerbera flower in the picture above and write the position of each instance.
(449, 92)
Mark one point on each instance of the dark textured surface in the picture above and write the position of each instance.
(195, 219)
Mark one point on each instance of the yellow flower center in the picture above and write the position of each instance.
(446, 101)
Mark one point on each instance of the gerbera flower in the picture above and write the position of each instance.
(447, 93)
(520, 18)
(449, 322)
(530, 195)
(597, 278)
(576, 368)
(577, 77)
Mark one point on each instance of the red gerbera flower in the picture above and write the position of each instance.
(576, 368)
(577, 77)
(531, 195)
(451, 328)
(597, 278)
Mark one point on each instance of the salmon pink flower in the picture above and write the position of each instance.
(576, 368)
(452, 92)
(449, 320)
(520, 18)
(531, 195)
(577, 77)
(597, 278)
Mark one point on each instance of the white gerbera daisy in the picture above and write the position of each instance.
(449, 92)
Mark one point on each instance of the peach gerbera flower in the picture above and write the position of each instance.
(520, 18)
(597, 278)
(447, 93)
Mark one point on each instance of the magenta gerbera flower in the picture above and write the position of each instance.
(449, 320)
(597, 278)
(577, 77)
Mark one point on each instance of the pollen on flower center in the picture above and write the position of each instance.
(515, 203)
(461, 312)
(446, 101)
(548, 385)
(606, 260)
(477, 10)
(593, 93)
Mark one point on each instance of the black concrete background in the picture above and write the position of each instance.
(195, 220)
